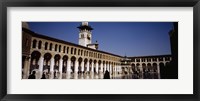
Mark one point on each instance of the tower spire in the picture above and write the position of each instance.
(85, 34)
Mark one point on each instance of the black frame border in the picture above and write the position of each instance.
(98, 3)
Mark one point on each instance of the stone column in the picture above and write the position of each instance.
(158, 70)
(51, 68)
(141, 70)
(76, 67)
(88, 66)
(97, 67)
(104, 67)
(41, 61)
(92, 69)
(26, 68)
(114, 69)
(120, 70)
(110, 69)
(108, 65)
(82, 66)
(60, 68)
(117, 69)
(68, 71)
(101, 66)
(69, 66)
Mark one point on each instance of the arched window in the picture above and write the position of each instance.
(78, 51)
(67, 50)
(64, 49)
(46, 45)
(81, 52)
(50, 47)
(34, 43)
(39, 44)
(56, 47)
(82, 35)
(75, 51)
(71, 50)
(59, 48)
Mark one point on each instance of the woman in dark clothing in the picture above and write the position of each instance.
(107, 75)
(43, 76)
(32, 76)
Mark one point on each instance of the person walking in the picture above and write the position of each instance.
(43, 76)
(32, 76)
(107, 75)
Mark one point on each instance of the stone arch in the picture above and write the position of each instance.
(56, 60)
(85, 64)
(148, 66)
(35, 55)
(137, 66)
(73, 59)
(47, 58)
(80, 60)
(144, 66)
(154, 66)
(65, 58)
(133, 67)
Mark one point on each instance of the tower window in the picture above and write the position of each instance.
(88, 37)
(82, 35)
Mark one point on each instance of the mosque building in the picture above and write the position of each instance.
(59, 59)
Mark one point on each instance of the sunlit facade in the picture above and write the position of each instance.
(59, 59)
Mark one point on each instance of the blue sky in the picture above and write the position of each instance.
(130, 38)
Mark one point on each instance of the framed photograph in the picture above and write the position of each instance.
(104, 50)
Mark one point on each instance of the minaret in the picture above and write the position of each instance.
(85, 34)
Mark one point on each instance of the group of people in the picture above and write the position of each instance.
(32, 76)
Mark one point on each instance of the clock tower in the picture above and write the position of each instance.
(85, 34)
